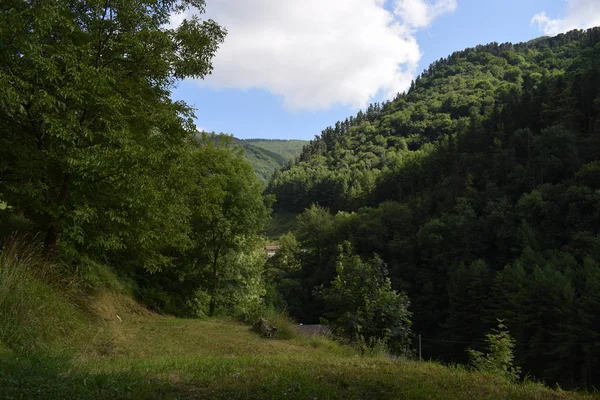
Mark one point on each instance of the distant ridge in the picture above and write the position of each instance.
(267, 155)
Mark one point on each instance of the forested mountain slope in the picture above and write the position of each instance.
(479, 190)
(267, 155)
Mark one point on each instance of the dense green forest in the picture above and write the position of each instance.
(268, 155)
(478, 191)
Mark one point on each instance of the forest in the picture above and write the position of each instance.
(478, 191)
(472, 198)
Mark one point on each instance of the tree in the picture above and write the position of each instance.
(282, 275)
(89, 139)
(228, 211)
(362, 305)
(314, 231)
(468, 289)
(287, 257)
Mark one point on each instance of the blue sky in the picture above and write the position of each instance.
(290, 68)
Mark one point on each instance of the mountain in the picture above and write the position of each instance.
(267, 155)
(479, 190)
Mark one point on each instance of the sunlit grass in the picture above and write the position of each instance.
(53, 347)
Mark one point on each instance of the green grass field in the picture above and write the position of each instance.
(156, 357)
(103, 345)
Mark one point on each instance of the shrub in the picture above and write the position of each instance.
(363, 307)
(500, 356)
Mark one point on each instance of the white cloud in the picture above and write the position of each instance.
(580, 14)
(317, 53)
(420, 13)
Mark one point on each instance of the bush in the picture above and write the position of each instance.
(500, 357)
(363, 307)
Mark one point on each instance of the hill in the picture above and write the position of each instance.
(476, 194)
(267, 155)
(478, 189)
(57, 343)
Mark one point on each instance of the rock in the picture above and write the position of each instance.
(314, 330)
(263, 327)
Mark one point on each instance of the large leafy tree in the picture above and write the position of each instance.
(228, 213)
(89, 137)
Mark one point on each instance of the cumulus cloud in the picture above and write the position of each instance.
(420, 13)
(317, 53)
(579, 14)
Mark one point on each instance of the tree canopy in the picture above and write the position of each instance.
(478, 189)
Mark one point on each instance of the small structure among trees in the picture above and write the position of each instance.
(270, 251)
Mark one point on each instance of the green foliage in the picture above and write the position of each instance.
(287, 257)
(221, 269)
(279, 224)
(500, 357)
(228, 212)
(289, 149)
(107, 169)
(363, 307)
(478, 190)
(90, 140)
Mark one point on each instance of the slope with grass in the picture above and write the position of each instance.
(161, 357)
(108, 346)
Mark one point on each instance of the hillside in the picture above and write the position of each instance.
(462, 215)
(478, 190)
(266, 156)
(56, 343)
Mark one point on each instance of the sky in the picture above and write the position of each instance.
(290, 68)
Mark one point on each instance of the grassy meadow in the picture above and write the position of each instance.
(75, 339)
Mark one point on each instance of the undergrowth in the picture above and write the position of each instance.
(40, 307)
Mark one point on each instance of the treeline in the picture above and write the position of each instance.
(479, 190)
(99, 164)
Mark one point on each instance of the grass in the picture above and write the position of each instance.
(35, 315)
(156, 357)
(285, 371)
(136, 354)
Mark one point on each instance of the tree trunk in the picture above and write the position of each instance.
(53, 226)
(213, 287)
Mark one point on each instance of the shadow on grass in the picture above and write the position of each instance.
(37, 377)
(256, 378)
